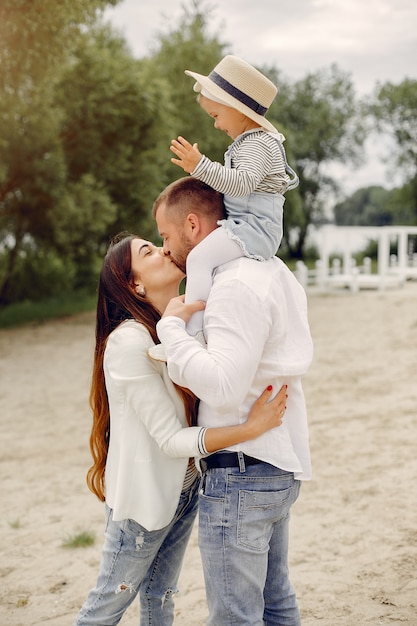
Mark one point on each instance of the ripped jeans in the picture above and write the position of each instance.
(138, 562)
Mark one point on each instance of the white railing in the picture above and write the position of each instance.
(355, 277)
(392, 270)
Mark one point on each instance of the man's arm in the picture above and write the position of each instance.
(237, 327)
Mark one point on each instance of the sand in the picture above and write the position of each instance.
(354, 527)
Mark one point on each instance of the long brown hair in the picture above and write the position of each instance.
(117, 301)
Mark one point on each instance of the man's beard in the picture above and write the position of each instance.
(180, 258)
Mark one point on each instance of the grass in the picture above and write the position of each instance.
(15, 524)
(29, 312)
(82, 539)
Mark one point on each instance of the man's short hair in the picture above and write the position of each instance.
(190, 195)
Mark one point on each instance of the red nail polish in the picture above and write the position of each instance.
(269, 387)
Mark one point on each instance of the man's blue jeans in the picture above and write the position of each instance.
(136, 561)
(243, 540)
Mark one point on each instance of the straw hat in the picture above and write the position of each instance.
(238, 85)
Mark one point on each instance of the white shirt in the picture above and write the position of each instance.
(150, 443)
(257, 333)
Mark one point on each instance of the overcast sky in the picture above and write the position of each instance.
(373, 40)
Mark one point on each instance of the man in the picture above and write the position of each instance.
(256, 327)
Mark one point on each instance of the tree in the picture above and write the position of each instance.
(34, 42)
(35, 38)
(395, 111)
(320, 117)
(188, 44)
(114, 129)
(394, 108)
(376, 206)
(82, 147)
(365, 207)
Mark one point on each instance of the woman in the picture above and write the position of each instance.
(142, 438)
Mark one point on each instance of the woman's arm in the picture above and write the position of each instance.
(264, 415)
(136, 378)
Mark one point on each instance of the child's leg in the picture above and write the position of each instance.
(216, 249)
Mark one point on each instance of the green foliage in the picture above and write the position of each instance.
(49, 273)
(29, 312)
(404, 203)
(366, 207)
(371, 251)
(395, 111)
(85, 131)
(321, 120)
(114, 129)
(187, 44)
(34, 42)
(376, 206)
(81, 152)
(36, 35)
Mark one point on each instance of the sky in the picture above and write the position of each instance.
(373, 41)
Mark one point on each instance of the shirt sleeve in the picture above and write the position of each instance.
(221, 374)
(133, 375)
(251, 164)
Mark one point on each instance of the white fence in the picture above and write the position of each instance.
(392, 270)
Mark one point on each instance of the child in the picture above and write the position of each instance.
(254, 178)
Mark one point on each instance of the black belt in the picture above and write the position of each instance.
(226, 459)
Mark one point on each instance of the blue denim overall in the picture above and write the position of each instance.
(255, 221)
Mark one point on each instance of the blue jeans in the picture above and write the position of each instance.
(243, 540)
(135, 561)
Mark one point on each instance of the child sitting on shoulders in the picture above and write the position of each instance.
(253, 179)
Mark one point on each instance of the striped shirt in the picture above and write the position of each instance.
(192, 472)
(258, 164)
(190, 475)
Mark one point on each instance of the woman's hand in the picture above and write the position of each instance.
(266, 413)
(178, 308)
(188, 156)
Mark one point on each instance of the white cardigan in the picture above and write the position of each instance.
(150, 443)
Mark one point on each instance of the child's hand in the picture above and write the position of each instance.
(188, 155)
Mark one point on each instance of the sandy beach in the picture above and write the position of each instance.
(354, 528)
